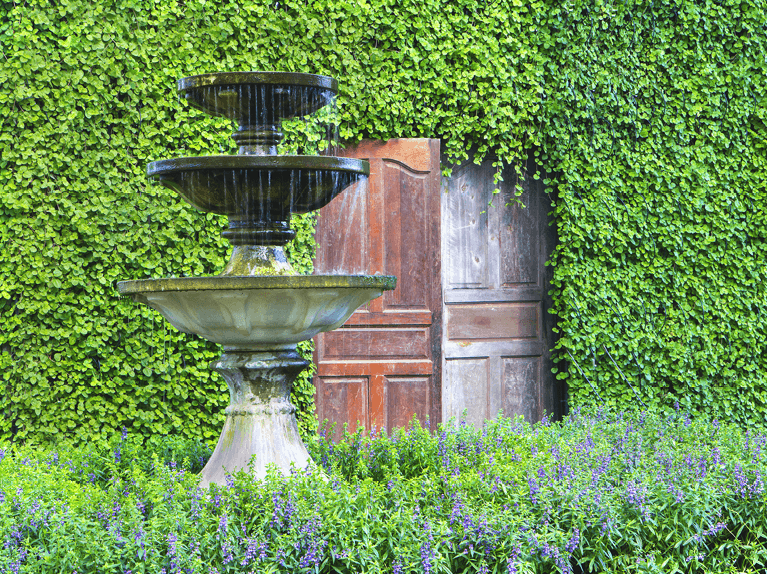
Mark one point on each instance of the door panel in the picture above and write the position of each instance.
(488, 321)
(520, 241)
(345, 401)
(520, 376)
(468, 389)
(464, 232)
(376, 344)
(406, 216)
(344, 252)
(407, 396)
(394, 344)
(498, 331)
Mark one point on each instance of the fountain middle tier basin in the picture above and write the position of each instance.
(261, 312)
(266, 188)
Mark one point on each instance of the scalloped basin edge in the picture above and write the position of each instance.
(257, 313)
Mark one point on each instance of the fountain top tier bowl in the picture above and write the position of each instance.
(258, 102)
(252, 98)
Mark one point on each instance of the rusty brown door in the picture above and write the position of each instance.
(497, 329)
(383, 366)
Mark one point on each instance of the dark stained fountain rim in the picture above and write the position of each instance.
(237, 283)
(254, 77)
(214, 162)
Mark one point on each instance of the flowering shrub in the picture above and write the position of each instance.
(598, 492)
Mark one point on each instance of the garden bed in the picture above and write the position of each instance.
(598, 492)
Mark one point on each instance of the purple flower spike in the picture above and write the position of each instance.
(575, 539)
(511, 561)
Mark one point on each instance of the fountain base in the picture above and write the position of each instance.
(260, 427)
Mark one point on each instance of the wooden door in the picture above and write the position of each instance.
(497, 330)
(383, 366)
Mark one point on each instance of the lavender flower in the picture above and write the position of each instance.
(255, 550)
(196, 503)
(427, 552)
(172, 552)
(635, 495)
(221, 536)
(716, 529)
(575, 539)
(742, 486)
(534, 490)
(138, 538)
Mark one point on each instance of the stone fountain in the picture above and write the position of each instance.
(257, 307)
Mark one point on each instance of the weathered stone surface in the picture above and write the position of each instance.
(257, 312)
(260, 427)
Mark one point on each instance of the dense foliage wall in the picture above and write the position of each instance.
(650, 118)
(657, 131)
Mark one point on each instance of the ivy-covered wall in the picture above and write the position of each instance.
(649, 115)
(656, 129)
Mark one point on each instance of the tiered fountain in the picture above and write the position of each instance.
(258, 308)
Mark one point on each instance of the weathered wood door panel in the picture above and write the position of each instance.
(383, 365)
(497, 329)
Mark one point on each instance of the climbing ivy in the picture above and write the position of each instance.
(657, 142)
(647, 120)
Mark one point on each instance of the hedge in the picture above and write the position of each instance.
(648, 119)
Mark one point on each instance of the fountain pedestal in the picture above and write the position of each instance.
(260, 419)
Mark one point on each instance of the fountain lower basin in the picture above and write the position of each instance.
(259, 320)
(261, 312)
